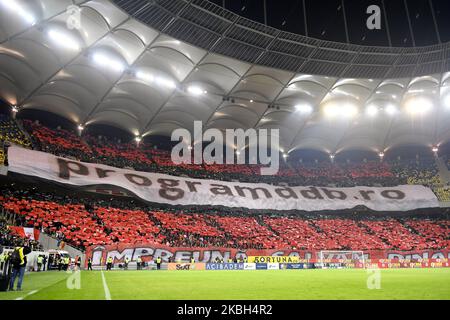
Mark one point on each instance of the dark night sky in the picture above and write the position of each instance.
(325, 19)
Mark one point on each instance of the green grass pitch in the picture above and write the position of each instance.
(236, 285)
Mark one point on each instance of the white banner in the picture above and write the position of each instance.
(161, 188)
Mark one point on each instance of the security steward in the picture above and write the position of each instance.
(40, 261)
(66, 263)
(158, 263)
(109, 263)
(139, 262)
(126, 262)
(2, 260)
(192, 260)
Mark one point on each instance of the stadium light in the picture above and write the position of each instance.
(80, 127)
(391, 109)
(13, 6)
(238, 152)
(63, 40)
(332, 157)
(105, 61)
(194, 90)
(418, 105)
(138, 139)
(285, 155)
(345, 110)
(446, 101)
(381, 155)
(435, 149)
(304, 108)
(372, 110)
(14, 109)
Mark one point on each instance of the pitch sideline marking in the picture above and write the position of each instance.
(105, 287)
(28, 294)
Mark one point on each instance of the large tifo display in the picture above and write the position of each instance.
(173, 190)
(151, 251)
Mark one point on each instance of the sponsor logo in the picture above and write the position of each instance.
(294, 266)
(224, 266)
(249, 266)
(261, 266)
(186, 266)
(274, 259)
(273, 266)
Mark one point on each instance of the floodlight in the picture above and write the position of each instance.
(194, 90)
(331, 110)
(446, 101)
(391, 109)
(372, 110)
(304, 108)
(418, 105)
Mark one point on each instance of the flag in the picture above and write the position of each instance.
(27, 233)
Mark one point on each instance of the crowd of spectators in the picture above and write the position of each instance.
(85, 222)
(11, 133)
(82, 222)
(146, 157)
(9, 239)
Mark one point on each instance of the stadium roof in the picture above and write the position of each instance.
(152, 66)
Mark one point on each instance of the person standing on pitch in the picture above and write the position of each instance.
(125, 264)
(192, 260)
(138, 262)
(66, 263)
(2, 260)
(109, 263)
(158, 263)
(18, 262)
(40, 261)
(60, 263)
(90, 264)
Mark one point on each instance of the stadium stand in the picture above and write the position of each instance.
(9, 239)
(144, 157)
(11, 133)
(2, 154)
(82, 222)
